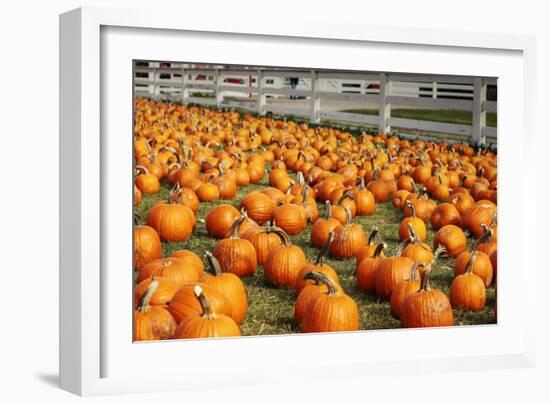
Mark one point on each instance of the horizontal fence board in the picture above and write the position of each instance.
(348, 76)
(286, 110)
(435, 103)
(286, 73)
(286, 91)
(436, 127)
(347, 96)
(249, 106)
(202, 101)
(201, 86)
(430, 78)
(238, 88)
(350, 117)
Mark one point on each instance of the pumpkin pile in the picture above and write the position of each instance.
(251, 225)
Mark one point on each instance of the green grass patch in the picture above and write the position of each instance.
(433, 115)
(271, 309)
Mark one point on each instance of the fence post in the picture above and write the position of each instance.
(479, 115)
(260, 97)
(156, 78)
(434, 90)
(184, 90)
(384, 107)
(217, 90)
(315, 99)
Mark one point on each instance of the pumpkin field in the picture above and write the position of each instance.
(249, 226)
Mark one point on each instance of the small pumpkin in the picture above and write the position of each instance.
(292, 218)
(258, 206)
(318, 265)
(369, 249)
(146, 182)
(364, 200)
(322, 227)
(284, 262)
(367, 268)
(452, 238)
(190, 258)
(415, 222)
(177, 270)
(229, 285)
(173, 222)
(147, 244)
(390, 271)
(207, 323)
(479, 263)
(164, 292)
(220, 219)
(331, 311)
(427, 307)
(184, 303)
(236, 255)
(348, 239)
(404, 288)
(152, 322)
(467, 289)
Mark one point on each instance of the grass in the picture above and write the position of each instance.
(434, 115)
(271, 309)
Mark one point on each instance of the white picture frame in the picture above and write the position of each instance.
(96, 355)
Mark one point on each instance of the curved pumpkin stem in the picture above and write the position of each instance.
(415, 269)
(138, 219)
(322, 278)
(328, 211)
(143, 168)
(205, 304)
(281, 233)
(348, 216)
(214, 263)
(378, 250)
(470, 264)
(236, 225)
(410, 205)
(146, 298)
(372, 235)
(414, 235)
(324, 250)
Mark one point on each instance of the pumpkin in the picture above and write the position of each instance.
(258, 206)
(390, 271)
(322, 227)
(368, 249)
(207, 323)
(152, 322)
(292, 218)
(190, 258)
(366, 270)
(208, 192)
(284, 262)
(452, 238)
(147, 244)
(173, 222)
(480, 265)
(364, 200)
(312, 288)
(164, 292)
(263, 240)
(414, 222)
(177, 270)
(462, 201)
(229, 285)
(331, 311)
(348, 239)
(184, 303)
(494, 259)
(220, 219)
(318, 265)
(146, 182)
(477, 215)
(236, 255)
(444, 214)
(404, 288)
(226, 184)
(423, 208)
(415, 249)
(467, 289)
(427, 307)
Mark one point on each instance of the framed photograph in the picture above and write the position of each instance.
(235, 204)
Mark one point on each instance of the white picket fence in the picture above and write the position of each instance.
(256, 89)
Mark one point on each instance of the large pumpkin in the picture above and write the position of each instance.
(331, 311)
(348, 239)
(229, 285)
(322, 227)
(452, 238)
(177, 270)
(366, 270)
(390, 271)
(284, 262)
(258, 206)
(468, 290)
(173, 222)
(292, 218)
(152, 322)
(147, 245)
(206, 323)
(236, 255)
(220, 219)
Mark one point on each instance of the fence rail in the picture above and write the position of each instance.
(256, 89)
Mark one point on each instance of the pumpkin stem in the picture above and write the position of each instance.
(138, 219)
(328, 210)
(146, 298)
(413, 233)
(425, 279)
(214, 263)
(304, 192)
(379, 248)
(236, 225)
(348, 216)
(281, 233)
(372, 235)
(348, 194)
(220, 168)
(324, 250)
(300, 178)
(402, 246)
(143, 168)
(411, 207)
(470, 264)
(205, 304)
(415, 269)
(362, 184)
(322, 278)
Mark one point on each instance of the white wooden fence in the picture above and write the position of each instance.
(249, 89)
